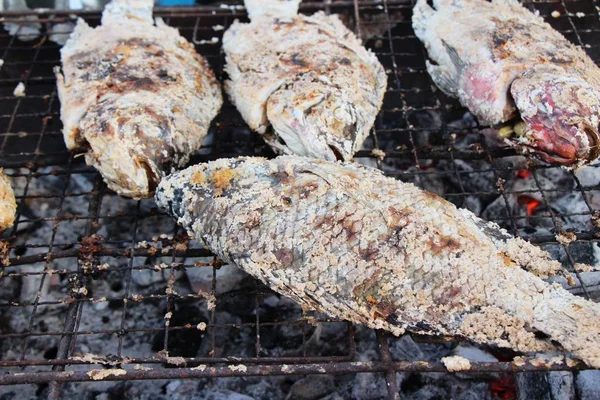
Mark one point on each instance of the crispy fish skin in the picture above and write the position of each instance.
(503, 62)
(305, 83)
(347, 241)
(8, 204)
(135, 97)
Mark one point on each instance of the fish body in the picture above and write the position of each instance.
(135, 97)
(504, 62)
(305, 83)
(348, 241)
(8, 203)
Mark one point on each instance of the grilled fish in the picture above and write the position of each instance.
(347, 241)
(304, 82)
(506, 64)
(8, 204)
(135, 97)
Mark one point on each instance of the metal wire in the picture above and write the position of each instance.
(32, 150)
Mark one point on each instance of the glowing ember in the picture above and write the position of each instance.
(529, 202)
(503, 388)
(523, 173)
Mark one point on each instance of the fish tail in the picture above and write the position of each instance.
(572, 321)
(272, 8)
(118, 11)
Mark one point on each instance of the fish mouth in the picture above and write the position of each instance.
(594, 142)
(557, 144)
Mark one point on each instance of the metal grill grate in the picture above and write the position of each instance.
(62, 254)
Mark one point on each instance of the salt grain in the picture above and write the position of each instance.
(99, 374)
(137, 298)
(178, 361)
(456, 363)
(213, 40)
(240, 367)
(378, 153)
(565, 238)
(19, 90)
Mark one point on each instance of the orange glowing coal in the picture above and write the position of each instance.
(503, 388)
(523, 173)
(529, 202)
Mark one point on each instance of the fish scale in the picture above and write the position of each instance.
(416, 262)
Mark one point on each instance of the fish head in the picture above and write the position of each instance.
(560, 112)
(312, 118)
(214, 182)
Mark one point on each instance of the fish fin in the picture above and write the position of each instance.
(294, 111)
(454, 56)
(282, 9)
(443, 78)
(529, 257)
(286, 112)
(119, 11)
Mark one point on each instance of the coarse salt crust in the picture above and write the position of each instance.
(306, 83)
(135, 97)
(504, 62)
(347, 241)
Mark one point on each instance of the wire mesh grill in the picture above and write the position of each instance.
(81, 256)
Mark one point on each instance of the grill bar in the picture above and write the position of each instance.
(271, 370)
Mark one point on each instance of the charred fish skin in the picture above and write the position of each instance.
(345, 240)
(504, 62)
(305, 83)
(135, 96)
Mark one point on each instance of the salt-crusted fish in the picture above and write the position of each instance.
(347, 241)
(135, 97)
(305, 83)
(506, 64)
(8, 204)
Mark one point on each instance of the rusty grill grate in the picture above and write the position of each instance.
(62, 254)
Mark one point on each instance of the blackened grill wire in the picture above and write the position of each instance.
(26, 162)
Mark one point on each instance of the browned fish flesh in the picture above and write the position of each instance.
(348, 241)
(507, 65)
(305, 83)
(135, 97)
(8, 204)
